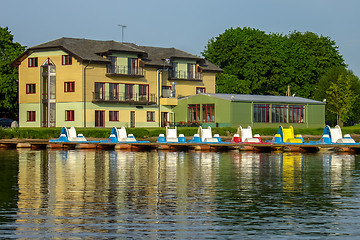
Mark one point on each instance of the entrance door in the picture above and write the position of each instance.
(132, 119)
(164, 119)
(99, 118)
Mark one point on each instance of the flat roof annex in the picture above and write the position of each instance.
(261, 98)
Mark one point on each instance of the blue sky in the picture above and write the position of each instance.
(186, 24)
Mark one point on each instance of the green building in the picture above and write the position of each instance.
(259, 111)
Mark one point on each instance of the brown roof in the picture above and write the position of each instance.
(93, 50)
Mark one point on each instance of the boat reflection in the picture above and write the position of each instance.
(81, 190)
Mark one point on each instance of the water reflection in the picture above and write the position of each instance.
(184, 195)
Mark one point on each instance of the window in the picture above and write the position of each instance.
(69, 87)
(133, 64)
(31, 116)
(66, 60)
(174, 71)
(129, 91)
(194, 112)
(69, 115)
(279, 113)
(33, 62)
(150, 116)
(111, 68)
(143, 92)
(30, 88)
(192, 71)
(99, 91)
(113, 92)
(200, 90)
(261, 112)
(113, 116)
(208, 112)
(296, 114)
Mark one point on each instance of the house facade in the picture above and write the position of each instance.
(258, 111)
(88, 83)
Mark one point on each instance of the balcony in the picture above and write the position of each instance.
(45, 97)
(135, 72)
(185, 75)
(99, 97)
(169, 101)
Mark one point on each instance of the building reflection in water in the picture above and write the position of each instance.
(80, 190)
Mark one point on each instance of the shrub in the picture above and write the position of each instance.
(138, 132)
(187, 131)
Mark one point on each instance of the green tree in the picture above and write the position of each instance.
(268, 63)
(226, 83)
(340, 98)
(328, 79)
(9, 50)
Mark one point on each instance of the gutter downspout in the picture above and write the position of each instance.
(84, 93)
(306, 116)
(252, 114)
(157, 94)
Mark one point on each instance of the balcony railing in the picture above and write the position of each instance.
(167, 93)
(125, 70)
(185, 75)
(45, 96)
(124, 98)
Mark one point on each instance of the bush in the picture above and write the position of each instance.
(187, 131)
(139, 132)
(224, 131)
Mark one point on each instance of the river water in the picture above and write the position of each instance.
(184, 195)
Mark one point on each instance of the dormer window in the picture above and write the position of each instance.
(133, 66)
(120, 65)
(66, 60)
(185, 71)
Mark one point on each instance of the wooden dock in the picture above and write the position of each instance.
(256, 147)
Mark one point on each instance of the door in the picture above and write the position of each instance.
(164, 119)
(99, 91)
(132, 119)
(129, 91)
(99, 118)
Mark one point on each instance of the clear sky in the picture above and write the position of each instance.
(185, 24)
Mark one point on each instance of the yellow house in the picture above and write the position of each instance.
(88, 83)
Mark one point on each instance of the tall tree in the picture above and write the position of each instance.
(340, 98)
(260, 63)
(9, 50)
(331, 77)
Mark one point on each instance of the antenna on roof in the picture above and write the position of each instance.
(122, 31)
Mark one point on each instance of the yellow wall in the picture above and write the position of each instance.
(188, 88)
(97, 73)
(64, 73)
(124, 115)
(209, 81)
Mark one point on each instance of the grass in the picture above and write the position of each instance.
(48, 133)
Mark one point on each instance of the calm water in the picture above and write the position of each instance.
(192, 195)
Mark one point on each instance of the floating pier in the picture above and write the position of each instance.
(256, 147)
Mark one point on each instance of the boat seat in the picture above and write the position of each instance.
(171, 135)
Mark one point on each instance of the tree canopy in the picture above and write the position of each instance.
(340, 88)
(9, 50)
(255, 62)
